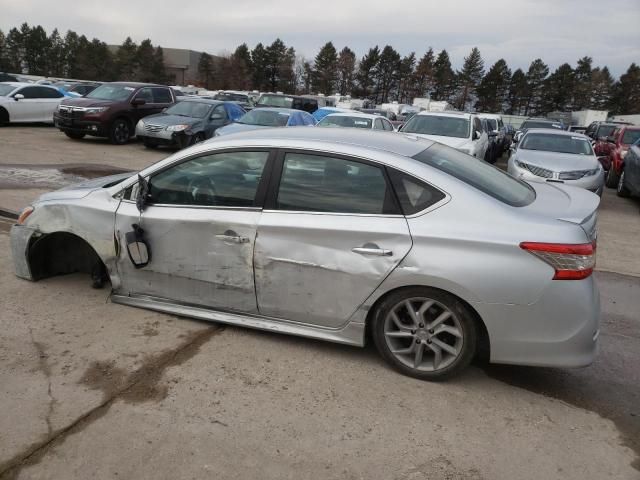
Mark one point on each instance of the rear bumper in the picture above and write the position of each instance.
(561, 329)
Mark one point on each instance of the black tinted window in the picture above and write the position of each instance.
(44, 92)
(325, 184)
(414, 194)
(480, 175)
(227, 179)
(30, 92)
(162, 95)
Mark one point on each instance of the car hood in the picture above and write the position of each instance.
(555, 161)
(81, 190)
(87, 102)
(238, 127)
(167, 119)
(454, 142)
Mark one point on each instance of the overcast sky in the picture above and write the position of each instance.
(557, 31)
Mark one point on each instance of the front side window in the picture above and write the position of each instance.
(162, 95)
(438, 125)
(315, 183)
(117, 93)
(548, 142)
(387, 125)
(479, 175)
(29, 92)
(228, 179)
(145, 94)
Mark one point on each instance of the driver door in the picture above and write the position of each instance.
(200, 223)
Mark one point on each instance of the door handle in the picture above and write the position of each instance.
(379, 252)
(232, 237)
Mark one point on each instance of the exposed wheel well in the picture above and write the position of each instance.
(61, 253)
(483, 347)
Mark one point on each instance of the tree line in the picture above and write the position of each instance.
(382, 74)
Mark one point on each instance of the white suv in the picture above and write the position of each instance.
(462, 131)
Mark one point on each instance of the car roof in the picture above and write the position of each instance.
(445, 114)
(555, 131)
(354, 114)
(399, 144)
(27, 84)
(135, 84)
(290, 111)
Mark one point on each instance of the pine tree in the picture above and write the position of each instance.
(469, 77)
(158, 71)
(493, 90)
(517, 93)
(405, 76)
(601, 89)
(259, 61)
(387, 73)
(325, 68)
(367, 70)
(36, 49)
(443, 78)
(242, 60)
(583, 88)
(144, 61)
(4, 62)
(126, 58)
(536, 75)
(55, 63)
(286, 73)
(274, 55)
(346, 65)
(558, 90)
(14, 50)
(205, 69)
(626, 92)
(424, 75)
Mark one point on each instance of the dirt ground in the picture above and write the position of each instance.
(91, 389)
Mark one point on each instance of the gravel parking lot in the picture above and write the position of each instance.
(92, 389)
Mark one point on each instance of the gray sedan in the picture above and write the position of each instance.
(557, 156)
(332, 233)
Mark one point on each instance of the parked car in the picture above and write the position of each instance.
(629, 178)
(597, 130)
(188, 122)
(268, 117)
(462, 131)
(496, 125)
(356, 120)
(577, 129)
(335, 233)
(616, 147)
(324, 111)
(558, 157)
(278, 100)
(389, 115)
(26, 102)
(535, 123)
(494, 150)
(83, 88)
(7, 77)
(112, 110)
(240, 98)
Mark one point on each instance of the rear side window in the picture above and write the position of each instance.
(44, 92)
(480, 175)
(414, 195)
(162, 95)
(314, 183)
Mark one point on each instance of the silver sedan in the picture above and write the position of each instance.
(329, 234)
(557, 156)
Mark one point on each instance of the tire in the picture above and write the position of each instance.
(75, 136)
(612, 177)
(4, 117)
(197, 138)
(621, 188)
(120, 131)
(397, 336)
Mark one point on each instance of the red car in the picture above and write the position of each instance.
(617, 147)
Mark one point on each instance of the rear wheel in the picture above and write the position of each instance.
(4, 117)
(197, 138)
(120, 131)
(425, 333)
(74, 135)
(612, 178)
(622, 189)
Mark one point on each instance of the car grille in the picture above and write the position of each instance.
(152, 128)
(538, 171)
(70, 112)
(573, 175)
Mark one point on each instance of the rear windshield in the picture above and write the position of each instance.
(344, 121)
(438, 125)
(605, 130)
(529, 124)
(548, 142)
(630, 137)
(480, 175)
(276, 101)
(265, 118)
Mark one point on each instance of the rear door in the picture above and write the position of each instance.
(330, 233)
(49, 100)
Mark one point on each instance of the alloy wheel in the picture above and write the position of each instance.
(423, 334)
(121, 132)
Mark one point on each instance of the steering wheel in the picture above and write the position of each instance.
(203, 191)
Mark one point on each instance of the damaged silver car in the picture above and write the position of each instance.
(333, 234)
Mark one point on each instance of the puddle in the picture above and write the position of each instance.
(51, 176)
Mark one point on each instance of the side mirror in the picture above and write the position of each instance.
(476, 135)
(137, 248)
(138, 101)
(18, 96)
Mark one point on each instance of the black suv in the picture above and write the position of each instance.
(112, 110)
(287, 101)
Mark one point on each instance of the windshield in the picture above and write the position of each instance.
(187, 108)
(630, 137)
(605, 130)
(548, 142)
(265, 118)
(276, 101)
(438, 125)
(6, 90)
(117, 93)
(231, 97)
(344, 121)
(478, 174)
(529, 124)
(493, 125)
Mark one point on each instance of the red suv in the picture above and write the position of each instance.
(112, 110)
(617, 148)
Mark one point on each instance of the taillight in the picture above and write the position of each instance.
(25, 213)
(570, 261)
